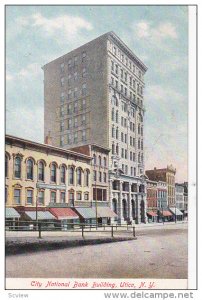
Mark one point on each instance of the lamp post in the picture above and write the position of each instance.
(37, 191)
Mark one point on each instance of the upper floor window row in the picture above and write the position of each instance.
(54, 173)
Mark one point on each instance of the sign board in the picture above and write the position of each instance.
(50, 186)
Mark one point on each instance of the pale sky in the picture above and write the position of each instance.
(158, 35)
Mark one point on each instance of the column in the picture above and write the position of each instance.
(120, 209)
(129, 203)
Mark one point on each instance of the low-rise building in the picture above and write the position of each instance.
(152, 203)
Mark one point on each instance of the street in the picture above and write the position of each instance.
(159, 252)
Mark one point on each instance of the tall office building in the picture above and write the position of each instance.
(94, 95)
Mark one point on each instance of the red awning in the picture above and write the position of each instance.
(152, 213)
(63, 213)
(166, 213)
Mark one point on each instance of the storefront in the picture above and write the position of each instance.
(12, 218)
(165, 215)
(178, 215)
(44, 217)
(87, 215)
(152, 216)
(65, 216)
(104, 215)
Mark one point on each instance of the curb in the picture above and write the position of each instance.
(13, 248)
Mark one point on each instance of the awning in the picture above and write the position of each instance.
(11, 213)
(63, 213)
(86, 212)
(166, 213)
(152, 213)
(105, 212)
(41, 215)
(176, 211)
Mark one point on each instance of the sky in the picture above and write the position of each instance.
(158, 35)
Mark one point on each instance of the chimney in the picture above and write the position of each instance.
(48, 139)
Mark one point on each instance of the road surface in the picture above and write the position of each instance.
(159, 252)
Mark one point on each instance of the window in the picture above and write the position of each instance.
(75, 60)
(84, 90)
(78, 175)
(117, 133)
(62, 81)
(84, 73)
(86, 196)
(41, 198)
(112, 114)
(94, 159)
(62, 67)
(53, 172)
(75, 137)
(75, 76)
(117, 149)
(83, 120)
(6, 166)
(117, 116)
(17, 193)
(83, 56)
(53, 197)
(86, 178)
(79, 196)
(117, 69)
(105, 177)
(112, 65)
(29, 196)
(17, 167)
(41, 171)
(62, 97)
(69, 79)
(69, 108)
(84, 103)
(71, 175)
(113, 148)
(62, 111)
(69, 123)
(62, 126)
(100, 176)
(75, 122)
(126, 169)
(30, 169)
(126, 154)
(69, 63)
(75, 92)
(69, 95)
(131, 171)
(76, 106)
(100, 160)
(83, 135)
(94, 175)
(105, 162)
(62, 174)
(62, 197)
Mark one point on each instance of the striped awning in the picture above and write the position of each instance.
(63, 213)
(86, 212)
(176, 211)
(105, 212)
(41, 215)
(165, 213)
(11, 213)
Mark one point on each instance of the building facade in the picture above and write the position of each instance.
(162, 195)
(42, 175)
(167, 175)
(179, 196)
(152, 200)
(95, 95)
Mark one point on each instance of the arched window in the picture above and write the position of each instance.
(100, 160)
(117, 116)
(78, 175)
(105, 162)
(94, 159)
(6, 166)
(112, 114)
(71, 175)
(17, 167)
(113, 148)
(30, 169)
(62, 174)
(53, 172)
(41, 171)
(86, 178)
